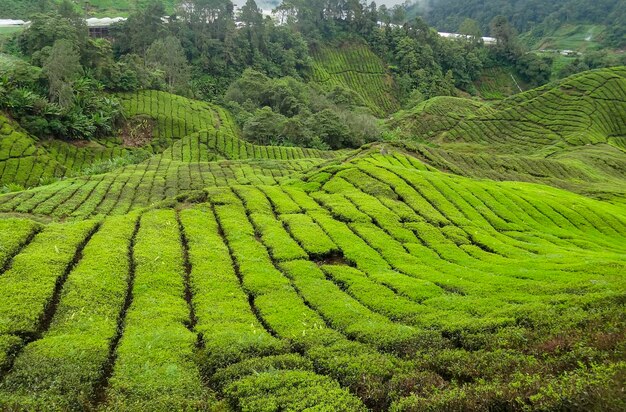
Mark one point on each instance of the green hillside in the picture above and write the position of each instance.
(497, 83)
(568, 134)
(172, 117)
(21, 162)
(466, 267)
(355, 67)
(356, 285)
(26, 161)
(583, 109)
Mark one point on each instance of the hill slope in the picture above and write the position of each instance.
(379, 269)
(221, 275)
(569, 134)
(355, 67)
(588, 108)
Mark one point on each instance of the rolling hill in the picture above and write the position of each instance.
(449, 271)
(356, 276)
(569, 134)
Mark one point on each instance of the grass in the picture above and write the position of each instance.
(457, 271)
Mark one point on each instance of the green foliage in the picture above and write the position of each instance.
(14, 235)
(29, 284)
(230, 332)
(399, 276)
(61, 68)
(265, 364)
(590, 60)
(154, 366)
(168, 55)
(149, 182)
(497, 83)
(385, 283)
(47, 29)
(447, 15)
(174, 117)
(114, 163)
(77, 109)
(286, 111)
(27, 162)
(68, 361)
(541, 120)
(309, 235)
(291, 391)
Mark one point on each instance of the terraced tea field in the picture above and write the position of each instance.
(219, 275)
(584, 109)
(355, 67)
(180, 129)
(569, 134)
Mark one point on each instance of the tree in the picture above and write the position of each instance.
(168, 55)
(471, 28)
(331, 128)
(67, 9)
(61, 68)
(286, 12)
(142, 28)
(506, 37)
(383, 15)
(535, 69)
(398, 14)
(264, 127)
(252, 21)
(45, 29)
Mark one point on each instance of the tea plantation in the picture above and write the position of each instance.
(355, 67)
(476, 265)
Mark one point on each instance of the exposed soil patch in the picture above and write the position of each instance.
(333, 258)
(137, 131)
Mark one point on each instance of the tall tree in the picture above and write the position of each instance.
(45, 29)
(168, 55)
(506, 37)
(471, 28)
(252, 20)
(61, 68)
(142, 28)
(398, 14)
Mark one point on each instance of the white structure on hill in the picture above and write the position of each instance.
(486, 40)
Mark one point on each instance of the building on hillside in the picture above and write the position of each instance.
(489, 41)
(13, 23)
(99, 28)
